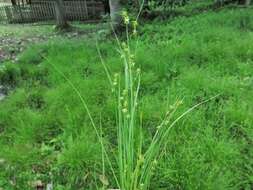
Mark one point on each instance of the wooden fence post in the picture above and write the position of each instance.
(8, 13)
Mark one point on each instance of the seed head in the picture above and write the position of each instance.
(135, 23)
(116, 75)
(141, 158)
(124, 110)
(125, 17)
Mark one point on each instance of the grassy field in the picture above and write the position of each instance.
(26, 30)
(38, 29)
(45, 134)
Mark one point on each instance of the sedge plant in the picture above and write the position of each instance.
(136, 165)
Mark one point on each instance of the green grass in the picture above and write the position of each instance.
(44, 29)
(45, 134)
(26, 30)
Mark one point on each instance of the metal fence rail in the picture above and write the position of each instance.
(45, 11)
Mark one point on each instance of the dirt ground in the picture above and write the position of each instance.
(11, 46)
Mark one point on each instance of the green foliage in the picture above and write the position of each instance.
(9, 74)
(45, 134)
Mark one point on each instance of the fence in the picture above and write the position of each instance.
(2, 15)
(45, 11)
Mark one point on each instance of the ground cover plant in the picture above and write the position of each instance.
(46, 135)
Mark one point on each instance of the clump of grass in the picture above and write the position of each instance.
(9, 75)
(136, 164)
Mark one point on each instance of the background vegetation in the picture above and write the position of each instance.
(46, 135)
